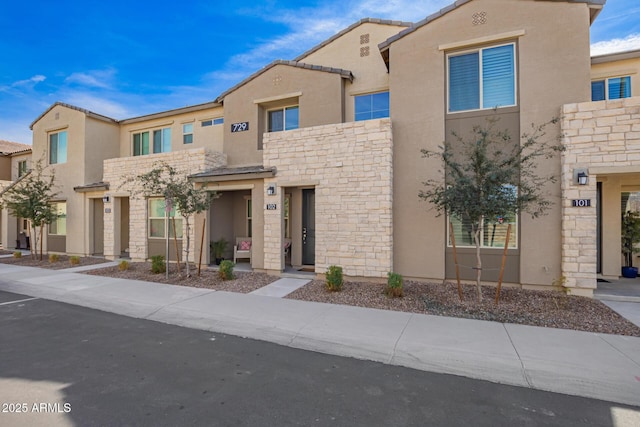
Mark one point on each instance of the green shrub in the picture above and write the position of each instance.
(17, 254)
(334, 278)
(53, 258)
(157, 264)
(123, 265)
(74, 260)
(226, 270)
(395, 284)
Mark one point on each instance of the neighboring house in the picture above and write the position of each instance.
(15, 162)
(316, 161)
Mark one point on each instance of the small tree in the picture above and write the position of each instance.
(630, 235)
(30, 198)
(177, 189)
(489, 176)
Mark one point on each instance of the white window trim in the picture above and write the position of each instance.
(479, 49)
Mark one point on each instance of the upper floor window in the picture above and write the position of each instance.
(161, 142)
(482, 79)
(22, 168)
(58, 147)
(372, 106)
(187, 133)
(283, 119)
(613, 88)
(212, 122)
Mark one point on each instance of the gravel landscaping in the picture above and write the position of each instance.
(62, 262)
(244, 282)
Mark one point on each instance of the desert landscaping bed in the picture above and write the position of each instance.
(244, 282)
(63, 261)
(537, 308)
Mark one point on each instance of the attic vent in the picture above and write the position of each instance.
(364, 39)
(364, 51)
(479, 18)
(57, 116)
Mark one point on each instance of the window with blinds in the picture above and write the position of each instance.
(482, 79)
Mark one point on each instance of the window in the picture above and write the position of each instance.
(187, 133)
(58, 226)
(161, 142)
(283, 119)
(157, 219)
(494, 232)
(140, 143)
(613, 88)
(482, 79)
(212, 122)
(372, 106)
(22, 168)
(58, 147)
(249, 215)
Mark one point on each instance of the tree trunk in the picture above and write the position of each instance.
(186, 250)
(34, 242)
(41, 231)
(477, 235)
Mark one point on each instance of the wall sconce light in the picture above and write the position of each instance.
(105, 199)
(583, 178)
(271, 190)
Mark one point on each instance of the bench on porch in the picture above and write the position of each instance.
(242, 249)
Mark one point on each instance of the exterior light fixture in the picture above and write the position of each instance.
(583, 178)
(271, 190)
(105, 199)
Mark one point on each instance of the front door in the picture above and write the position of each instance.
(308, 227)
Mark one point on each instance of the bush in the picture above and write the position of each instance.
(53, 258)
(123, 265)
(74, 260)
(394, 285)
(334, 278)
(17, 254)
(226, 270)
(157, 264)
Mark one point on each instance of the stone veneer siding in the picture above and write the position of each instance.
(116, 172)
(350, 166)
(602, 134)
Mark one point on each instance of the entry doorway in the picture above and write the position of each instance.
(308, 227)
(98, 227)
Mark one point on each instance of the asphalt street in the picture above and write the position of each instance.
(67, 365)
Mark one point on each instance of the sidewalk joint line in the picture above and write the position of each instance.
(20, 300)
(395, 345)
(524, 370)
(618, 350)
(176, 302)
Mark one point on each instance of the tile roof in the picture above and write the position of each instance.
(8, 147)
(345, 74)
(73, 107)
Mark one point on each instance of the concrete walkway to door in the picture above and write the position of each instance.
(622, 296)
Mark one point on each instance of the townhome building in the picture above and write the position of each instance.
(15, 162)
(316, 161)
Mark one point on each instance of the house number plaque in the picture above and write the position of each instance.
(239, 127)
(271, 206)
(581, 203)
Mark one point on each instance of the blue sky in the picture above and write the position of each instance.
(124, 59)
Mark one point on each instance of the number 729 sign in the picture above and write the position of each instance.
(239, 127)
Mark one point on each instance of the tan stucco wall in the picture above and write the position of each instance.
(553, 69)
(320, 102)
(350, 167)
(203, 137)
(604, 139)
(5, 168)
(117, 171)
(369, 70)
(627, 67)
(17, 158)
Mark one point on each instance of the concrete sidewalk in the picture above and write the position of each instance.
(585, 364)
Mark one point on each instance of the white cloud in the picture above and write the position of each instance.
(96, 78)
(631, 42)
(97, 104)
(22, 84)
